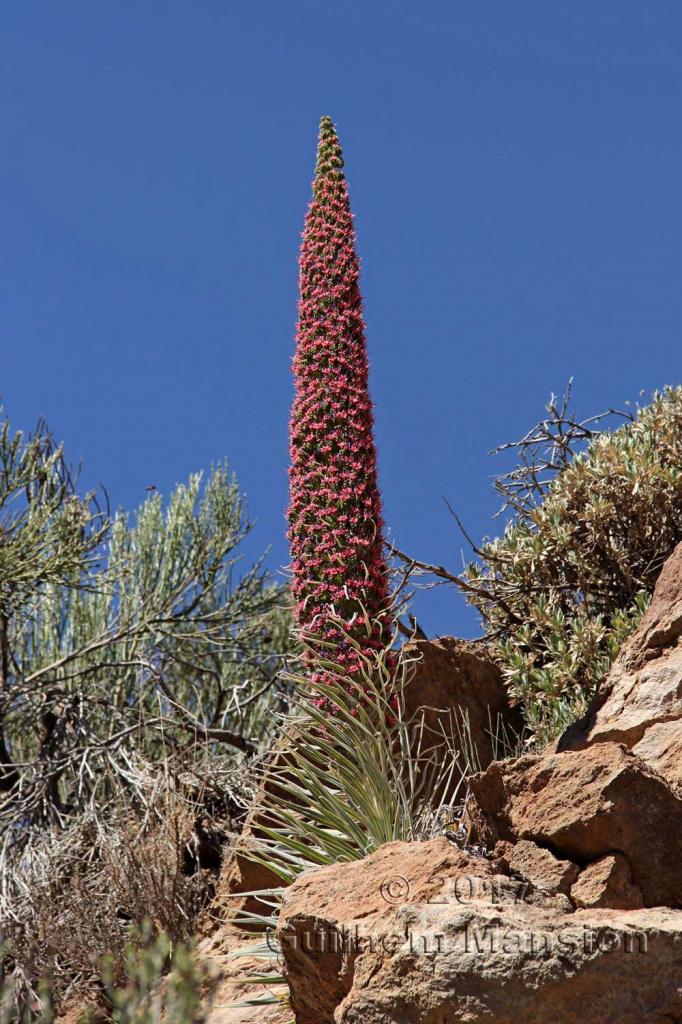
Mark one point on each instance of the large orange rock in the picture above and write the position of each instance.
(455, 683)
(640, 703)
(583, 805)
(583, 925)
(611, 786)
(327, 914)
(424, 934)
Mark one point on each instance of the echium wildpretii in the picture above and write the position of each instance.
(335, 523)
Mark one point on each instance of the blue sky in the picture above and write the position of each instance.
(515, 169)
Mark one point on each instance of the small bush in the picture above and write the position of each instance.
(162, 983)
(70, 897)
(353, 771)
(594, 517)
(156, 981)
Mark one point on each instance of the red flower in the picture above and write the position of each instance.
(335, 523)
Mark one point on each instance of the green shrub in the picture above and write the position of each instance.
(162, 983)
(155, 981)
(123, 636)
(570, 577)
(139, 671)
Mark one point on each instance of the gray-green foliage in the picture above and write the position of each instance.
(350, 779)
(161, 982)
(353, 771)
(157, 981)
(572, 573)
(123, 637)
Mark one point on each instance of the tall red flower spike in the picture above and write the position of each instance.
(335, 523)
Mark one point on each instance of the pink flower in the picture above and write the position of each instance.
(335, 522)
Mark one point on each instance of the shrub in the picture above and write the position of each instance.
(156, 981)
(161, 982)
(342, 785)
(345, 784)
(594, 517)
(122, 635)
(73, 896)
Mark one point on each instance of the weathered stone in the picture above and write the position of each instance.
(351, 898)
(640, 703)
(584, 805)
(424, 933)
(487, 954)
(231, 985)
(607, 883)
(661, 748)
(536, 865)
(639, 698)
(456, 679)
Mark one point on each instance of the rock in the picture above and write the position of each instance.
(536, 865)
(577, 919)
(584, 805)
(467, 946)
(607, 883)
(608, 795)
(242, 879)
(457, 678)
(661, 748)
(640, 704)
(345, 898)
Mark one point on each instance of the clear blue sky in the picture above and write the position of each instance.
(515, 169)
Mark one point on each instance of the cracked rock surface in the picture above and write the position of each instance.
(576, 917)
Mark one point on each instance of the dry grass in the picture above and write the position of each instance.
(70, 898)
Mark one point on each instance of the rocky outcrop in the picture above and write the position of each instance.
(575, 915)
(640, 704)
(424, 934)
(455, 684)
(582, 806)
(328, 914)
(608, 795)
